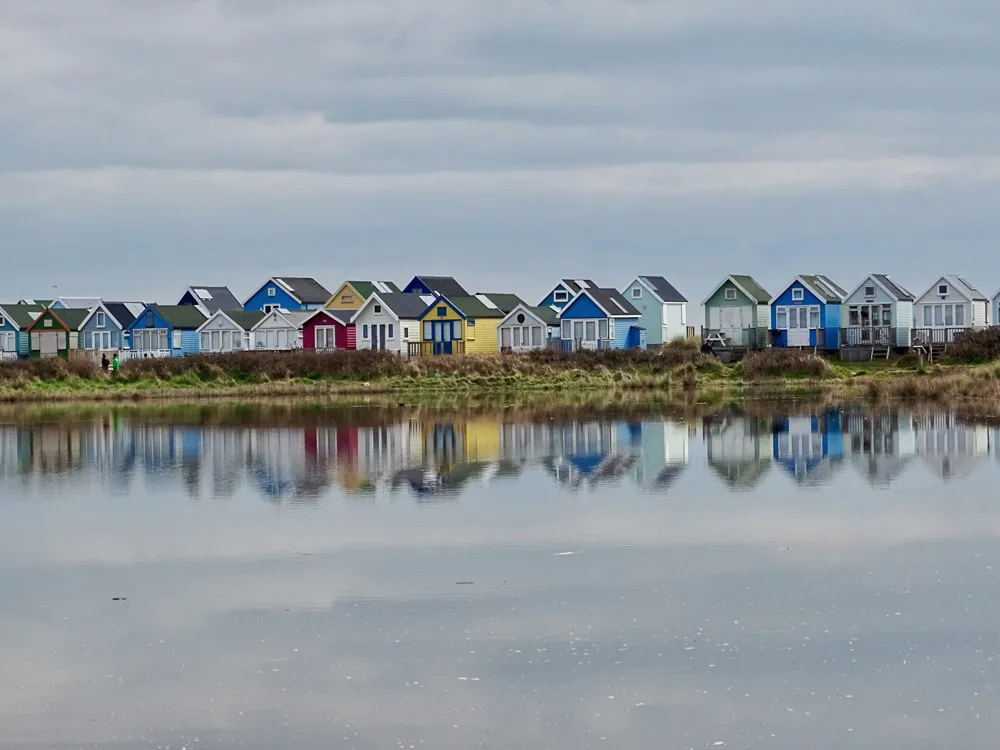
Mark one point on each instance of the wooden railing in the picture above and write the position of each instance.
(936, 336)
(868, 336)
(8, 356)
(430, 348)
(145, 354)
(575, 345)
(752, 338)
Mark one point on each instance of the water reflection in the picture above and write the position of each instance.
(435, 455)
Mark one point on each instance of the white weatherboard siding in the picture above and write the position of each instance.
(395, 340)
(936, 310)
(674, 321)
(275, 333)
(731, 320)
(220, 334)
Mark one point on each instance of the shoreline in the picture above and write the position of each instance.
(714, 384)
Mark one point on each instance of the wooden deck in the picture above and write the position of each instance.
(858, 343)
(935, 341)
(434, 348)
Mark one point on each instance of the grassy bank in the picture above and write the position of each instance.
(677, 372)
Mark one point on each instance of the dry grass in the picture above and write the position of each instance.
(938, 384)
(976, 346)
(785, 363)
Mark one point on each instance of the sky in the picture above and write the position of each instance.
(149, 146)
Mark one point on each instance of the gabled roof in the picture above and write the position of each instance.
(888, 286)
(294, 318)
(180, 316)
(961, 285)
(244, 319)
(78, 303)
(303, 289)
(367, 288)
(42, 303)
(746, 284)
(612, 302)
(214, 298)
(119, 312)
(662, 288)
(403, 306)
(825, 290)
(341, 316)
(575, 285)
(505, 302)
(547, 315)
(71, 318)
(20, 315)
(446, 286)
(478, 306)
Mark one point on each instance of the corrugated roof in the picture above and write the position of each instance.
(406, 306)
(180, 316)
(613, 302)
(443, 285)
(219, 298)
(893, 288)
(306, 289)
(751, 287)
(664, 289)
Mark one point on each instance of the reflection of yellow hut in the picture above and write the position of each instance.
(449, 444)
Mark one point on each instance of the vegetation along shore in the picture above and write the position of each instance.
(971, 370)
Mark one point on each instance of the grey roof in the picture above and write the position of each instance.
(970, 290)
(79, 303)
(750, 285)
(506, 302)
(120, 312)
(215, 298)
(444, 285)
(548, 315)
(664, 289)
(181, 316)
(344, 316)
(893, 288)
(20, 315)
(613, 302)
(404, 306)
(575, 286)
(245, 319)
(306, 289)
(824, 288)
(474, 307)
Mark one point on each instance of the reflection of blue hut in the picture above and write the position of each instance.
(805, 445)
(662, 451)
(592, 451)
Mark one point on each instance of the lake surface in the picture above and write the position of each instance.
(391, 578)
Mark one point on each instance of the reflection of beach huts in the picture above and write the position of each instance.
(277, 459)
(592, 451)
(738, 448)
(662, 449)
(225, 454)
(880, 444)
(809, 447)
(383, 450)
(951, 448)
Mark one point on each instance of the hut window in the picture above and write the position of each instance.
(949, 315)
(505, 338)
(205, 341)
(942, 289)
(603, 329)
(101, 322)
(561, 296)
(591, 331)
(938, 315)
(730, 293)
(887, 315)
(346, 298)
(567, 329)
(391, 331)
(520, 318)
(406, 333)
(852, 316)
(814, 317)
(781, 318)
(869, 291)
(797, 295)
(960, 315)
(636, 293)
(927, 315)
(270, 291)
(377, 309)
(47, 323)
(364, 332)
(442, 312)
(178, 342)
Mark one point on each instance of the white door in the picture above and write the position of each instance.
(798, 326)
(48, 344)
(732, 322)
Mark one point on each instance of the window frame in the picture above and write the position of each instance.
(272, 292)
(730, 293)
(100, 319)
(871, 293)
(560, 295)
(798, 294)
(637, 292)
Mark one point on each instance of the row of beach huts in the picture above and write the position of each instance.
(436, 315)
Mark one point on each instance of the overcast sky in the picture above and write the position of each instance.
(147, 146)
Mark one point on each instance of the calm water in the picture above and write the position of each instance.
(825, 578)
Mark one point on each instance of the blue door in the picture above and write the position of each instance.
(442, 336)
